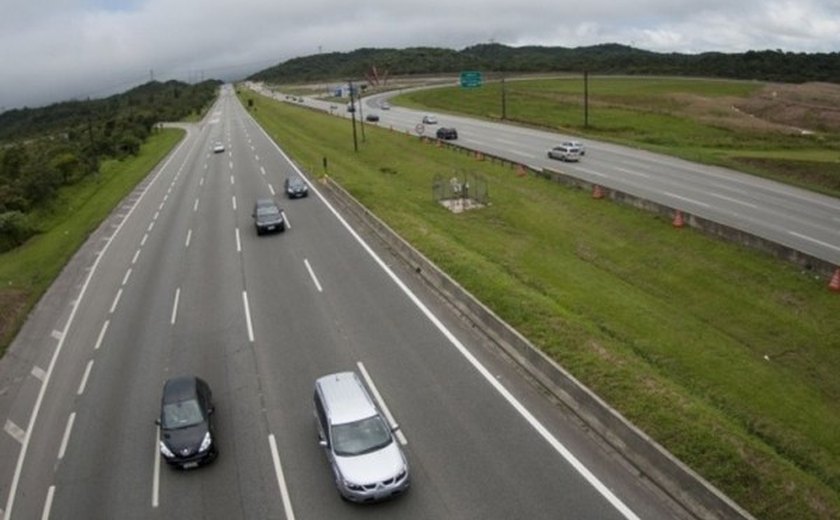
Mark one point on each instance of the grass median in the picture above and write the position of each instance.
(27, 271)
(725, 356)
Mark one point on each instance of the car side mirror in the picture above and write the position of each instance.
(157, 421)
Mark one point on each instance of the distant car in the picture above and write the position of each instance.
(575, 144)
(187, 435)
(218, 148)
(429, 120)
(385, 106)
(565, 153)
(447, 133)
(373, 118)
(296, 187)
(367, 462)
(268, 217)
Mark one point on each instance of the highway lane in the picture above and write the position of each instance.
(187, 286)
(805, 221)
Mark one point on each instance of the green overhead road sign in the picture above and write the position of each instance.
(471, 78)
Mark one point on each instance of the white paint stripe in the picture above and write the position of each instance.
(156, 474)
(85, 376)
(286, 220)
(814, 240)
(201, 182)
(281, 480)
(234, 202)
(157, 214)
(56, 334)
(271, 189)
(38, 373)
(257, 157)
(143, 240)
(45, 515)
(10, 501)
(127, 276)
(262, 170)
(195, 205)
(248, 316)
(151, 226)
(65, 439)
(175, 306)
(15, 431)
(312, 274)
(591, 172)
(160, 208)
(733, 200)
(232, 180)
(238, 242)
(116, 300)
(529, 418)
(101, 334)
(189, 236)
(136, 256)
(633, 172)
(686, 199)
(521, 154)
(382, 405)
(230, 164)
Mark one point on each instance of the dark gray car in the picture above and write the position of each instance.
(268, 217)
(296, 187)
(187, 436)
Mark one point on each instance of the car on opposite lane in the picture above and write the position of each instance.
(295, 187)
(218, 147)
(565, 153)
(373, 118)
(429, 119)
(447, 133)
(575, 144)
(187, 435)
(268, 217)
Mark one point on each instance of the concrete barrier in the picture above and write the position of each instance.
(685, 486)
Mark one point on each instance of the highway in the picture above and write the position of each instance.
(799, 219)
(176, 281)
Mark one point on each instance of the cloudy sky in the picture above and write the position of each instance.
(54, 50)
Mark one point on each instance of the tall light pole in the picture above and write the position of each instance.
(353, 115)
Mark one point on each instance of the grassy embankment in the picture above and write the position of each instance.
(693, 119)
(671, 327)
(27, 271)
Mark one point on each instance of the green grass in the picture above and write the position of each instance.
(671, 327)
(692, 119)
(27, 271)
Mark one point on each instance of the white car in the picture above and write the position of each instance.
(385, 106)
(218, 148)
(565, 153)
(429, 120)
(575, 144)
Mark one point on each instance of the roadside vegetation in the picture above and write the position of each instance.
(790, 133)
(725, 356)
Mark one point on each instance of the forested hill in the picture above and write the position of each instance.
(607, 59)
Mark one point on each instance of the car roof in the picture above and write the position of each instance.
(265, 201)
(180, 388)
(345, 398)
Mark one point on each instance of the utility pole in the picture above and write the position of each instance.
(586, 99)
(362, 118)
(353, 115)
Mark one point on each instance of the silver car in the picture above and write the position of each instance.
(367, 462)
(565, 153)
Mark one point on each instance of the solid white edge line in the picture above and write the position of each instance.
(286, 220)
(10, 501)
(382, 405)
(556, 444)
(281, 480)
(65, 439)
(156, 474)
(175, 306)
(85, 376)
(116, 300)
(48, 503)
(238, 242)
(312, 274)
(248, 316)
(101, 335)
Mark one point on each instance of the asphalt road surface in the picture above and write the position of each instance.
(802, 220)
(176, 281)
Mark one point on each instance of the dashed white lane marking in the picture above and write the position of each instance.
(65, 439)
(238, 242)
(145, 237)
(127, 276)
(175, 306)
(271, 189)
(201, 182)
(156, 474)
(232, 180)
(733, 200)
(45, 515)
(382, 405)
(157, 214)
(116, 301)
(151, 226)
(312, 275)
(281, 480)
(248, 316)
(38, 373)
(686, 199)
(101, 334)
(233, 199)
(634, 172)
(160, 208)
(136, 256)
(262, 170)
(84, 380)
(195, 205)
(286, 219)
(257, 157)
(189, 236)
(230, 164)
(15, 431)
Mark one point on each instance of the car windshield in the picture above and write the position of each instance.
(295, 183)
(267, 211)
(360, 437)
(182, 414)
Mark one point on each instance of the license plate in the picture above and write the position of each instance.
(190, 465)
(270, 228)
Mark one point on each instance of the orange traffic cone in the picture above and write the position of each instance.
(479, 156)
(597, 192)
(439, 143)
(679, 221)
(834, 284)
(520, 170)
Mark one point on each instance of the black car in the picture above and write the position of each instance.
(373, 118)
(447, 133)
(187, 436)
(295, 187)
(268, 217)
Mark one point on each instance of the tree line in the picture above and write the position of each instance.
(44, 149)
(766, 65)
